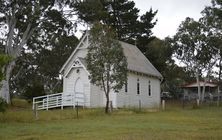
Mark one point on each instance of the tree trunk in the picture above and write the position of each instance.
(198, 85)
(107, 104)
(220, 69)
(4, 91)
(203, 91)
(13, 49)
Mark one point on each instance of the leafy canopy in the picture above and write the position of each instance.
(105, 59)
(192, 45)
(4, 59)
(49, 36)
(122, 16)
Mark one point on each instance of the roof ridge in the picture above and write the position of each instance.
(146, 60)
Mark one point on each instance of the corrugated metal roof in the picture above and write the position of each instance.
(194, 84)
(137, 61)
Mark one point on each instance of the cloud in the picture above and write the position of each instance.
(171, 13)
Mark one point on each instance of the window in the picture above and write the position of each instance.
(126, 86)
(138, 86)
(149, 88)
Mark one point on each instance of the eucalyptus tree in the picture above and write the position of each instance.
(192, 47)
(19, 20)
(212, 18)
(4, 59)
(106, 61)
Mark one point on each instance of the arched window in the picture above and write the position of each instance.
(138, 86)
(126, 87)
(79, 86)
(149, 88)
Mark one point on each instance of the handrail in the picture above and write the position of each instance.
(58, 100)
(39, 97)
(46, 100)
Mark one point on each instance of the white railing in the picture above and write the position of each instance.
(47, 101)
(58, 100)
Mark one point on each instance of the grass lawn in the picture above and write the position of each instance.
(174, 123)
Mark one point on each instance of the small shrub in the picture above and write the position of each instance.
(36, 89)
(3, 105)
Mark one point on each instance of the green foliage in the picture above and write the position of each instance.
(196, 45)
(42, 66)
(192, 46)
(159, 52)
(4, 59)
(105, 60)
(47, 48)
(90, 10)
(212, 18)
(3, 105)
(122, 16)
(174, 77)
(33, 90)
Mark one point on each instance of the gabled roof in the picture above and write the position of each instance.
(194, 84)
(79, 62)
(137, 62)
(84, 37)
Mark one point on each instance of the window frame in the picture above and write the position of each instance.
(149, 89)
(126, 87)
(138, 86)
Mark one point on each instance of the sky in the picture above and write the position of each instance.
(171, 13)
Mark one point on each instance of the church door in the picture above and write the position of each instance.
(79, 92)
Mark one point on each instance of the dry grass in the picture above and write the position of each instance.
(124, 124)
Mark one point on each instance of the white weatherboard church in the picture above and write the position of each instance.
(143, 85)
(142, 88)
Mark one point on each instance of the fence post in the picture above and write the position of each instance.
(198, 102)
(57, 100)
(73, 101)
(35, 112)
(163, 105)
(218, 96)
(183, 103)
(62, 102)
(77, 110)
(33, 103)
(47, 102)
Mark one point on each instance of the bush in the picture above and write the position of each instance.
(3, 105)
(33, 90)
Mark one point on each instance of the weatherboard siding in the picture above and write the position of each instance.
(70, 80)
(132, 99)
(94, 96)
(97, 96)
(81, 52)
